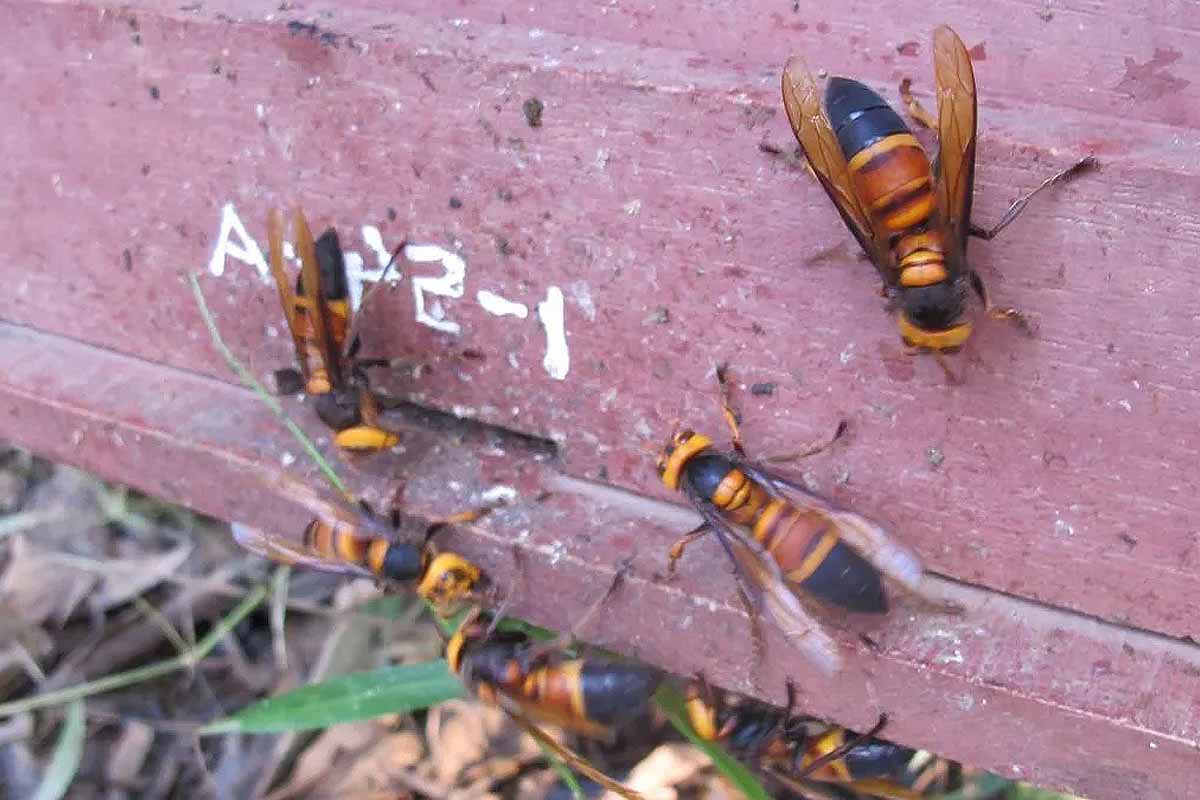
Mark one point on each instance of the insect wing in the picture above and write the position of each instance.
(348, 510)
(314, 292)
(573, 759)
(284, 286)
(762, 581)
(955, 164)
(802, 101)
(283, 551)
(784, 605)
(353, 322)
(869, 538)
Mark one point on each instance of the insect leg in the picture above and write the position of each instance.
(727, 411)
(681, 544)
(568, 639)
(461, 518)
(844, 748)
(812, 449)
(1010, 314)
(1014, 210)
(942, 362)
(915, 110)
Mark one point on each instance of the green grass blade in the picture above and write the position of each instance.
(145, 673)
(671, 701)
(347, 698)
(67, 755)
(253, 384)
(564, 773)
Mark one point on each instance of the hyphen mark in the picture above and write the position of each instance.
(500, 306)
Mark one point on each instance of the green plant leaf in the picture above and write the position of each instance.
(67, 755)
(347, 698)
(671, 702)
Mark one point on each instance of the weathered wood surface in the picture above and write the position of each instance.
(1055, 486)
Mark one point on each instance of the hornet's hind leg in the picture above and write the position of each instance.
(1018, 205)
(913, 106)
(1014, 210)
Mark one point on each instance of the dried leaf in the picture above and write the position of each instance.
(665, 768)
(40, 587)
(132, 577)
(322, 755)
(129, 753)
(460, 734)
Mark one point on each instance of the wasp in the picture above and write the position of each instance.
(912, 218)
(321, 323)
(361, 543)
(796, 537)
(793, 748)
(536, 681)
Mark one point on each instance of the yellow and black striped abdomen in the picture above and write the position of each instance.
(337, 318)
(893, 179)
(803, 541)
(341, 542)
(739, 497)
(810, 553)
(589, 696)
(874, 758)
(890, 170)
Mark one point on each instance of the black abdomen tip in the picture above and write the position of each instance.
(333, 265)
(616, 692)
(859, 116)
(848, 580)
(878, 759)
(402, 563)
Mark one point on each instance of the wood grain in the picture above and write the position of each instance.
(1058, 478)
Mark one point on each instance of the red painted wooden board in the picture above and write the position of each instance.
(1055, 487)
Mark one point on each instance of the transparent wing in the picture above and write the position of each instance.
(875, 544)
(762, 581)
(285, 551)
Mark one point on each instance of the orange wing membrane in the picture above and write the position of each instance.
(801, 100)
(956, 142)
(319, 317)
(911, 218)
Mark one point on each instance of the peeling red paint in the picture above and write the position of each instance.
(1152, 80)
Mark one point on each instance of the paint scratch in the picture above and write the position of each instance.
(246, 250)
(500, 306)
(550, 312)
(448, 284)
